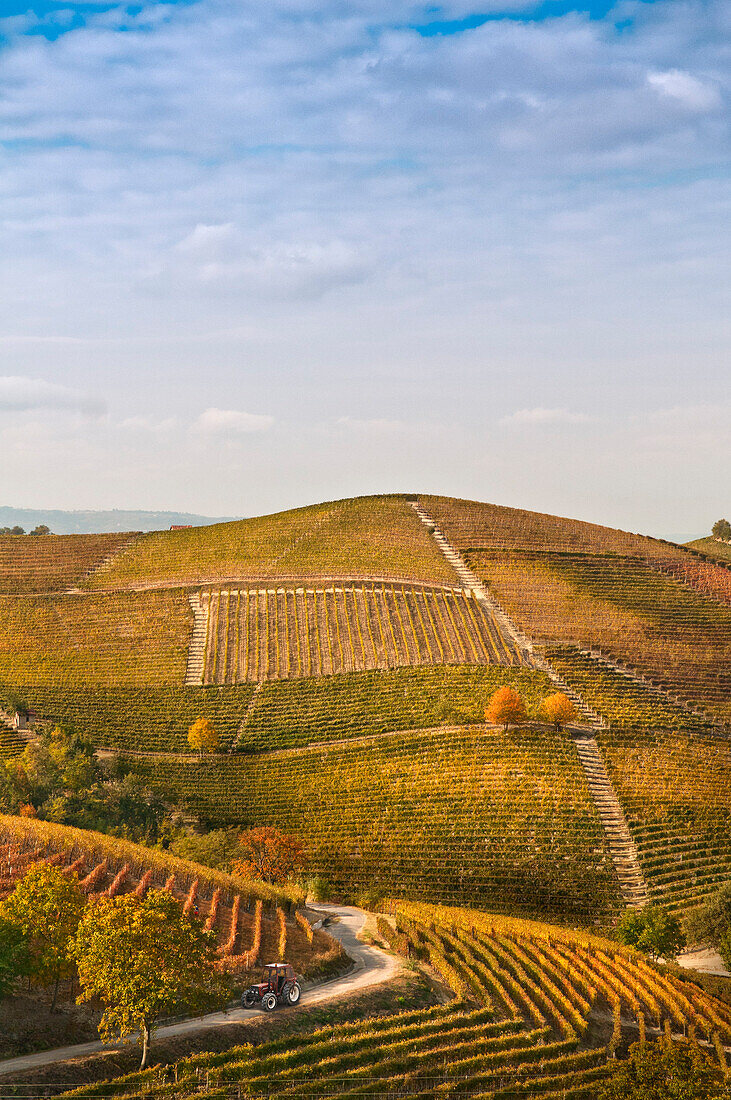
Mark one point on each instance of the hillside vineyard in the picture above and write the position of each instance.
(345, 653)
(247, 917)
(535, 1011)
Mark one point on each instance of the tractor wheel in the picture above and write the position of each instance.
(294, 993)
(249, 999)
(269, 1001)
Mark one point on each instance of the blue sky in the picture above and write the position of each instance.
(254, 255)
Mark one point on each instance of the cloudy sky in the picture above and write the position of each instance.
(257, 254)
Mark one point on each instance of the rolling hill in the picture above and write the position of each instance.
(345, 652)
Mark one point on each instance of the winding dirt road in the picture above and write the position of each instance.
(371, 966)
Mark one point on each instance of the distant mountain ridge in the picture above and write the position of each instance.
(92, 522)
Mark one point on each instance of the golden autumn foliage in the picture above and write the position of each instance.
(268, 854)
(506, 708)
(143, 958)
(558, 709)
(202, 736)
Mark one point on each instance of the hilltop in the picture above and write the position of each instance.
(345, 653)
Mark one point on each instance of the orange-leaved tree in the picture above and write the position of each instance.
(558, 709)
(269, 854)
(202, 736)
(506, 708)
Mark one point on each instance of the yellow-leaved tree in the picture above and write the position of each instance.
(558, 709)
(202, 736)
(506, 708)
(143, 958)
(46, 905)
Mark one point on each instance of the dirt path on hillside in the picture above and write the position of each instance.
(705, 960)
(371, 966)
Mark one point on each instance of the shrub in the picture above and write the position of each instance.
(652, 930)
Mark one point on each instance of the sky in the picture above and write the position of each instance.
(255, 255)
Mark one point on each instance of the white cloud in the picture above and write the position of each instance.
(686, 89)
(21, 394)
(232, 422)
(540, 416)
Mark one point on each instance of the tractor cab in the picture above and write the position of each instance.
(277, 975)
(280, 986)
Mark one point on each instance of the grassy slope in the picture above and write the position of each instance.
(366, 536)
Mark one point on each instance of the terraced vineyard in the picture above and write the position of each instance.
(11, 744)
(244, 914)
(470, 525)
(537, 1011)
(493, 818)
(675, 790)
(289, 714)
(367, 537)
(721, 551)
(265, 634)
(623, 701)
(624, 608)
(150, 717)
(705, 577)
(122, 638)
(47, 563)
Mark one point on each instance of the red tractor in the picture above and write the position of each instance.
(280, 986)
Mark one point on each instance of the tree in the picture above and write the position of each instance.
(666, 1071)
(652, 930)
(17, 531)
(58, 778)
(41, 529)
(712, 923)
(202, 736)
(269, 854)
(506, 708)
(46, 906)
(558, 709)
(143, 959)
(14, 955)
(722, 530)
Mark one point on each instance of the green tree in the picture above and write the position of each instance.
(41, 529)
(652, 930)
(712, 923)
(59, 775)
(46, 905)
(14, 955)
(666, 1071)
(722, 530)
(144, 959)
